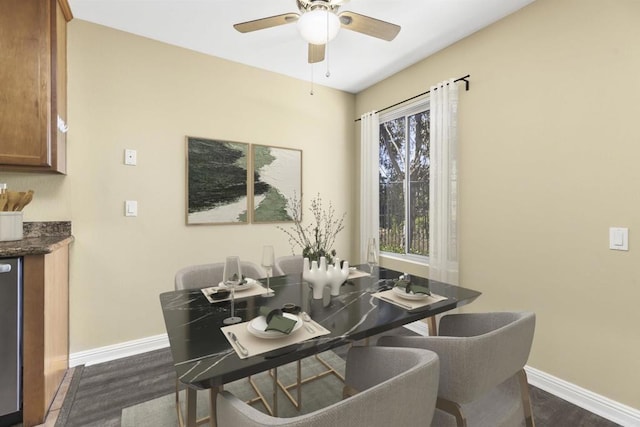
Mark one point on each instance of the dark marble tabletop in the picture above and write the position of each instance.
(204, 358)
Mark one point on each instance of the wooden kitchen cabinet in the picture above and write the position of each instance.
(33, 85)
(46, 330)
(44, 250)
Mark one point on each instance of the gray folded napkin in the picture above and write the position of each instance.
(412, 287)
(276, 321)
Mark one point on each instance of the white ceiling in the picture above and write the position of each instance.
(355, 61)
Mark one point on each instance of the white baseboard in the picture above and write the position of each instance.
(592, 402)
(118, 351)
(156, 342)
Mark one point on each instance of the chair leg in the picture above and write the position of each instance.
(191, 403)
(192, 399)
(348, 391)
(452, 408)
(178, 412)
(526, 400)
(432, 326)
(213, 399)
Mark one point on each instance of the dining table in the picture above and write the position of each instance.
(205, 358)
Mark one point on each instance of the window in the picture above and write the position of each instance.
(404, 181)
(408, 181)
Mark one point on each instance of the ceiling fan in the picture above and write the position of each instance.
(319, 22)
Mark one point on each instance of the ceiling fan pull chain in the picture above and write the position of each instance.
(311, 91)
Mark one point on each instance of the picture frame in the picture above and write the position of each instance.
(276, 179)
(217, 181)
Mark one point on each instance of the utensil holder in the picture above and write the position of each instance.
(10, 226)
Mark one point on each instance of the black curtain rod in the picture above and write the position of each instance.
(460, 79)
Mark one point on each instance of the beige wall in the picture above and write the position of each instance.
(549, 150)
(541, 179)
(130, 92)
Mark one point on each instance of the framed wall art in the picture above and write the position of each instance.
(217, 181)
(277, 178)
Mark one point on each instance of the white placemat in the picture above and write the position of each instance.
(255, 345)
(256, 289)
(354, 274)
(391, 297)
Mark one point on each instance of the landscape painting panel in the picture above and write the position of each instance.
(217, 181)
(277, 178)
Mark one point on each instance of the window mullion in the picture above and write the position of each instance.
(407, 185)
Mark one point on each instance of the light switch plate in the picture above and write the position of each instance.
(130, 208)
(619, 238)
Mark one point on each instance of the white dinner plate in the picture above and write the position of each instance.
(258, 325)
(247, 284)
(403, 294)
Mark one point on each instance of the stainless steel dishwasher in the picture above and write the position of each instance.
(10, 340)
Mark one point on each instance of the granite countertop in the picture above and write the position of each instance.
(39, 238)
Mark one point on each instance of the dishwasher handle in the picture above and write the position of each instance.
(5, 268)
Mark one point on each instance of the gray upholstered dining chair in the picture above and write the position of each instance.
(205, 275)
(290, 264)
(482, 356)
(396, 387)
(202, 276)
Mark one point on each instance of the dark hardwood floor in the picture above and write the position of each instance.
(98, 393)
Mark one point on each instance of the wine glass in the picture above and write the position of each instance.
(372, 254)
(232, 276)
(267, 264)
(372, 260)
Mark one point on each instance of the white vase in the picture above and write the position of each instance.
(316, 275)
(337, 276)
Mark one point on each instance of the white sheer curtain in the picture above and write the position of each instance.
(443, 198)
(369, 197)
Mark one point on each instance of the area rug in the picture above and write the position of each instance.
(161, 412)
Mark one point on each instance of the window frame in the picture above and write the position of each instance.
(406, 110)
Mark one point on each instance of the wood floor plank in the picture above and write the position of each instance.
(100, 392)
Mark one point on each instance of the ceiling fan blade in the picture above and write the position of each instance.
(370, 26)
(316, 53)
(261, 24)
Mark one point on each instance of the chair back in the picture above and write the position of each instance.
(406, 395)
(291, 264)
(491, 348)
(205, 275)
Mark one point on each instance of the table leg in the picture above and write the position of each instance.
(192, 399)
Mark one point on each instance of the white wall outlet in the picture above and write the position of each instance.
(130, 208)
(619, 238)
(130, 157)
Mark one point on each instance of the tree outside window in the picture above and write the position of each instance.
(404, 182)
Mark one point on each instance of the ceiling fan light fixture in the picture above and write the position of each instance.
(313, 26)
